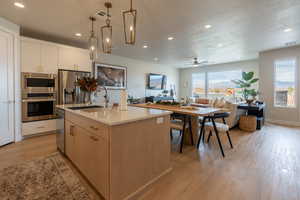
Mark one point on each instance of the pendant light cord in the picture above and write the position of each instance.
(92, 26)
(108, 6)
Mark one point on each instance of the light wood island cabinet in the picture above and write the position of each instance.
(121, 160)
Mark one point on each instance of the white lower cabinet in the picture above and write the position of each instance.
(38, 127)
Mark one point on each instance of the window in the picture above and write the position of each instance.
(198, 85)
(220, 83)
(285, 83)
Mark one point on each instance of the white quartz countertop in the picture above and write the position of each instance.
(114, 116)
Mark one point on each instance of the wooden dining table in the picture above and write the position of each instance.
(193, 112)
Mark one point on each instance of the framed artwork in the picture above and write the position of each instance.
(111, 76)
(157, 81)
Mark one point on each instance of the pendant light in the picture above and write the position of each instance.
(106, 31)
(129, 21)
(93, 41)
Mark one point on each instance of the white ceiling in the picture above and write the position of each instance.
(243, 27)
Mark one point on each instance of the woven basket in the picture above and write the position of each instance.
(248, 123)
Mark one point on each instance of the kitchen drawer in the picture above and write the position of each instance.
(88, 124)
(32, 128)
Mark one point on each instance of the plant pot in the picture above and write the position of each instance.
(250, 101)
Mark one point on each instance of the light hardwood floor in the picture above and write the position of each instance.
(264, 165)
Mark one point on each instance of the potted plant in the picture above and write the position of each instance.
(246, 83)
(88, 85)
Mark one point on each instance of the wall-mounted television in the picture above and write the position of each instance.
(156, 81)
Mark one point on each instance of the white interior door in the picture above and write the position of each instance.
(6, 88)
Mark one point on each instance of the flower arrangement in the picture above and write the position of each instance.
(87, 84)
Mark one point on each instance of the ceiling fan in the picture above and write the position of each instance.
(197, 63)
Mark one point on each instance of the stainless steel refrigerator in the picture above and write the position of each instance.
(69, 92)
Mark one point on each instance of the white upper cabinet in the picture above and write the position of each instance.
(30, 56)
(66, 58)
(49, 58)
(74, 59)
(46, 57)
(84, 62)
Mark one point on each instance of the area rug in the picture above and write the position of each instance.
(41, 179)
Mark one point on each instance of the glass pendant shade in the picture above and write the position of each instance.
(129, 21)
(93, 46)
(106, 33)
(93, 42)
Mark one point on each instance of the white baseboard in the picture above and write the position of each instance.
(283, 122)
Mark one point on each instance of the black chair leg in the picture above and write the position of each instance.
(171, 134)
(217, 134)
(191, 132)
(201, 132)
(228, 136)
(210, 134)
(182, 135)
(203, 136)
(204, 133)
(182, 140)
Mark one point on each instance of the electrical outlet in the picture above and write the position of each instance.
(160, 120)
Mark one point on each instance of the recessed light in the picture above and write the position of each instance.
(19, 4)
(78, 34)
(208, 26)
(155, 59)
(220, 45)
(145, 46)
(170, 38)
(287, 30)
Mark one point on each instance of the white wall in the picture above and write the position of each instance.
(15, 31)
(289, 116)
(186, 74)
(136, 75)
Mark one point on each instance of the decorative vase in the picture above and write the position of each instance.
(87, 97)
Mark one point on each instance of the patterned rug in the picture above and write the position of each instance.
(42, 179)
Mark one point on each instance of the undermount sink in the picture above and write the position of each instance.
(84, 107)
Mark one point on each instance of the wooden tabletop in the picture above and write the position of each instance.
(178, 109)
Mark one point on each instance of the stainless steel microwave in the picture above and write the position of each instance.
(38, 83)
(38, 109)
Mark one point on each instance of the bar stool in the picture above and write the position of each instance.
(181, 123)
(217, 127)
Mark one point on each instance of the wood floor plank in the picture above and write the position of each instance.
(264, 165)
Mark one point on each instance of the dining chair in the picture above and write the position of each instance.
(181, 123)
(217, 127)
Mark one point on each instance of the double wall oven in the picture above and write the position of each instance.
(39, 95)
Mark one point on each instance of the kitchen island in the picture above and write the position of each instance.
(120, 153)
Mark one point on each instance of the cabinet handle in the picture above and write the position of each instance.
(94, 138)
(94, 128)
(71, 130)
(41, 127)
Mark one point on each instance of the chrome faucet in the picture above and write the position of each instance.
(106, 101)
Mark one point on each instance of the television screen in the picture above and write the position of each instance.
(156, 81)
